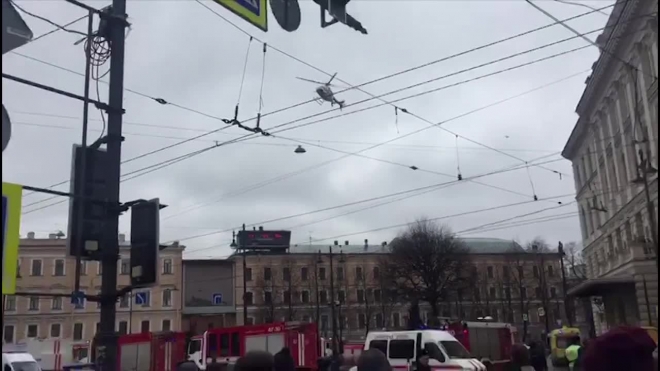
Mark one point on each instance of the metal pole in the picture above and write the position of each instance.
(648, 301)
(567, 306)
(130, 313)
(107, 349)
(241, 246)
(335, 350)
(83, 158)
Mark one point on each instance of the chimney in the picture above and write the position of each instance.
(52, 236)
(346, 243)
(30, 235)
(366, 244)
(336, 243)
(175, 244)
(121, 237)
(384, 243)
(261, 228)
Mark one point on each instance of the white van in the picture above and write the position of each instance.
(19, 362)
(402, 347)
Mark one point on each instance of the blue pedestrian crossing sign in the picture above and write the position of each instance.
(11, 224)
(217, 299)
(255, 12)
(141, 298)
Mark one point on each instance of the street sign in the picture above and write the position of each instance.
(525, 317)
(217, 299)
(287, 13)
(541, 312)
(11, 223)
(142, 298)
(255, 12)
(78, 299)
(145, 246)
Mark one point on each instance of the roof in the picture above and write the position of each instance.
(476, 246)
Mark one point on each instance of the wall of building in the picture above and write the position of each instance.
(46, 268)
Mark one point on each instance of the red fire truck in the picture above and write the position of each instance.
(151, 351)
(487, 341)
(226, 345)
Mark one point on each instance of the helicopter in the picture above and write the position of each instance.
(325, 93)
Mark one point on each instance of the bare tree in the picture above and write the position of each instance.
(428, 260)
(291, 292)
(540, 249)
(268, 299)
(516, 260)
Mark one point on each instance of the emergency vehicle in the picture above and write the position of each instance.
(403, 347)
(490, 342)
(226, 345)
(151, 351)
(51, 354)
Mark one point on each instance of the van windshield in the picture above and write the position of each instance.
(455, 350)
(25, 366)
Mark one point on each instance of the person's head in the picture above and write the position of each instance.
(424, 357)
(520, 355)
(575, 340)
(373, 360)
(623, 348)
(286, 351)
(255, 361)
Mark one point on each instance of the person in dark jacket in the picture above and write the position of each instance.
(537, 356)
(255, 361)
(623, 348)
(373, 360)
(520, 359)
(283, 361)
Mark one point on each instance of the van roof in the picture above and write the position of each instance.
(437, 335)
(17, 357)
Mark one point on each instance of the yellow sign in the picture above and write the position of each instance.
(11, 222)
(254, 12)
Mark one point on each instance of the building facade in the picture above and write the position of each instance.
(208, 292)
(45, 267)
(618, 123)
(297, 286)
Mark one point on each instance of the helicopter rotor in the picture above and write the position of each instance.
(312, 81)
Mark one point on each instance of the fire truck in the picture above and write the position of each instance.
(151, 351)
(226, 345)
(490, 342)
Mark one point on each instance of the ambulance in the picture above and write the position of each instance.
(403, 347)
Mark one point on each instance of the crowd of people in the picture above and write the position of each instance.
(620, 349)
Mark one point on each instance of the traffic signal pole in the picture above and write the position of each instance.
(106, 350)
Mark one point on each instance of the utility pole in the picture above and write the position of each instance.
(107, 349)
(644, 168)
(567, 307)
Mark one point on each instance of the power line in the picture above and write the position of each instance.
(164, 102)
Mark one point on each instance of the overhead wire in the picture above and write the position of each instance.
(165, 102)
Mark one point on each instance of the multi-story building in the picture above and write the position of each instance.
(45, 267)
(618, 122)
(296, 285)
(208, 292)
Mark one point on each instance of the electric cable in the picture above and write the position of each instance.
(44, 19)
(58, 28)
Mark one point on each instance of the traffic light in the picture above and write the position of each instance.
(145, 243)
(87, 211)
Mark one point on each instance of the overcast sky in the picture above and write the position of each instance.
(182, 52)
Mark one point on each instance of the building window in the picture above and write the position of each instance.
(304, 273)
(8, 334)
(167, 266)
(145, 326)
(286, 274)
(32, 331)
(99, 269)
(377, 296)
(124, 301)
(18, 268)
(37, 268)
(553, 292)
(97, 328)
(56, 304)
(360, 296)
(539, 293)
(506, 273)
(125, 267)
(78, 331)
(493, 293)
(83, 268)
(359, 274)
(324, 322)
(307, 319)
(10, 303)
(305, 297)
(249, 321)
(58, 268)
(123, 328)
(379, 320)
(33, 303)
(535, 271)
(324, 297)
(268, 297)
(166, 325)
(491, 272)
(341, 296)
(551, 271)
(55, 330)
(167, 298)
(286, 295)
(376, 273)
(340, 274)
(362, 321)
(268, 274)
(249, 298)
(322, 274)
(521, 272)
(396, 320)
(523, 292)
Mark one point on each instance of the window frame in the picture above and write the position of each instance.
(82, 331)
(27, 330)
(41, 267)
(55, 261)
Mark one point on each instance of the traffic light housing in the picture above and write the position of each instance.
(145, 243)
(87, 210)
